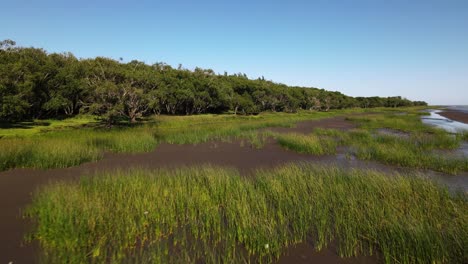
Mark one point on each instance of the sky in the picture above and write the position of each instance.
(416, 49)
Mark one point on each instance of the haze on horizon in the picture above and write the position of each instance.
(416, 49)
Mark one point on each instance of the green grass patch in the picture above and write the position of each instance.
(51, 153)
(410, 122)
(309, 144)
(27, 129)
(203, 128)
(60, 149)
(214, 215)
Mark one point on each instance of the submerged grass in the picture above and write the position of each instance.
(214, 215)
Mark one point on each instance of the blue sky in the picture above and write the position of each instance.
(417, 49)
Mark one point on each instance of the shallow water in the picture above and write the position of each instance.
(459, 108)
(434, 119)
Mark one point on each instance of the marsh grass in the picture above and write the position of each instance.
(411, 122)
(213, 215)
(51, 153)
(60, 149)
(417, 149)
(464, 136)
(309, 144)
(68, 143)
(203, 128)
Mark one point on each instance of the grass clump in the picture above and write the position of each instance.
(60, 149)
(125, 140)
(51, 153)
(309, 144)
(214, 215)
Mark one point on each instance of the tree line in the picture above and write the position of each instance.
(36, 84)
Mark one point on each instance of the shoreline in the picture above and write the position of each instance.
(455, 115)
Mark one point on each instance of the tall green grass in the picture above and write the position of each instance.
(62, 149)
(51, 153)
(214, 215)
(309, 144)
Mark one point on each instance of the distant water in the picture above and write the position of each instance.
(449, 125)
(461, 108)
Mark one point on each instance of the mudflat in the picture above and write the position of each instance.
(455, 115)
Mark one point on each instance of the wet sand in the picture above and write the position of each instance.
(17, 185)
(455, 115)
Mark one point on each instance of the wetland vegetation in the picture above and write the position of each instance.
(405, 142)
(57, 111)
(68, 146)
(214, 215)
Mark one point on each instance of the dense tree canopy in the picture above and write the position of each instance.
(35, 84)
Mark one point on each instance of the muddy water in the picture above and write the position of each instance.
(17, 186)
(304, 253)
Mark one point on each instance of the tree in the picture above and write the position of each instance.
(67, 87)
(106, 103)
(7, 44)
(35, 84)
(134, 100)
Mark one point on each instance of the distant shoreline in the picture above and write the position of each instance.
(459, 116)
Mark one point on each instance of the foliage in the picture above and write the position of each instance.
(35, 84)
